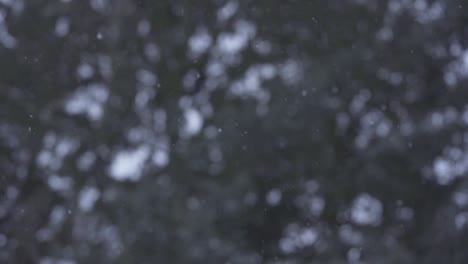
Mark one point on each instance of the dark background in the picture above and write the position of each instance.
(143, 131)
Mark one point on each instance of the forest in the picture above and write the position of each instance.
(234, 131)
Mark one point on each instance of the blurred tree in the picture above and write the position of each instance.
(233, 131)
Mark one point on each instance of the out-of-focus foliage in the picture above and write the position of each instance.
(140, 131)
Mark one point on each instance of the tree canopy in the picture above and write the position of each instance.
(238, 131)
